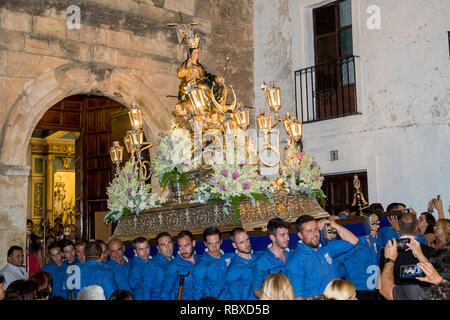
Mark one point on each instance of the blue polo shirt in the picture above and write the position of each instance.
(239, 278)
(171, 280)
(121, 273)
(57, 273)
(136, 277)
(361, 263)
(310, 271)
(267, 264)
(98, 273)
(153, 274)
(209, 275)
(387, 233)
(70, 274)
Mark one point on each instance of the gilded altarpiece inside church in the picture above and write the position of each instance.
(52, 178)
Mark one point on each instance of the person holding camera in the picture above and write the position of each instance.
(310, 266)
(407, 228)
(360, 264)
(435, 272)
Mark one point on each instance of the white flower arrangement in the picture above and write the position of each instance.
(234, 179)
(126, 193)
(174, 156)
(302, 173)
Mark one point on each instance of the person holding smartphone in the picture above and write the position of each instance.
(437, 272)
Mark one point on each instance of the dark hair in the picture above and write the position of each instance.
(441, 262)
(234, 232)
(53, 246)
(210, 232)
(185, 233)
(81, 242)
(431, 222)
(377, 207)
(394, 206)
(21, 290)
(93, 250)
(163, 234)
(100, 241)
(276, 223)
(407, 223)
(121, 295)
(44, 282)
(302, 220)
(65, 243)
(29, 221)
(12, 249)
(138, 240)
(440, 291)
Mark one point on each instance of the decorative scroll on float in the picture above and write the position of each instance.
(217, 181)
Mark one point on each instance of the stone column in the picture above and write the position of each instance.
(13, 208)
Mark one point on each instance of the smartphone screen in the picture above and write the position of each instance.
(411, 271)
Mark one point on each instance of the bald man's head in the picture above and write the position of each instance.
(116, 250)
(407, 223)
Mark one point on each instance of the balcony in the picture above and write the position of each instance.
(326, 91)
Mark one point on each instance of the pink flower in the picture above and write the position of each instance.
(129, 176)
(109, 201)
(316, 178)
(222, 187)
(235, 175)
(243, 163)
(186, 162)
(300, 156)
(224, 172)
(246, 185)
(213, 181)
(297, 170)
(129, 190)
(260, 178)
(313, 164)
(164, 157)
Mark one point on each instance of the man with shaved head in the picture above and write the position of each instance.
(119, 263)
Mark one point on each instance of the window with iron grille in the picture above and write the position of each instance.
(327, 90)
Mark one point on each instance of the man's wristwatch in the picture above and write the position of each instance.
(386, 260)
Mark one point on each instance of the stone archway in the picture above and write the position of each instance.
(52, 86)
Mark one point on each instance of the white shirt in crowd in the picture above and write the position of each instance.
(13, 273)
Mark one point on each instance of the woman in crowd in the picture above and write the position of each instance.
(426, 223)
(35, 259)
(442, 234)
(21, 290)
(340, 290)
(44, 281)
(277, 287)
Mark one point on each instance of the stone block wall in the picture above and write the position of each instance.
(124, 50)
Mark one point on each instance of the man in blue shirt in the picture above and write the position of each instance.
(153, 272)
(209, 272)
(274, 258)
(118, 263)
(55, 268)
(178, 282)
(70, 270)
(240, 273)
(141, 258)
(310, 267)
(388, 233)
(361, 264)
(95, 272)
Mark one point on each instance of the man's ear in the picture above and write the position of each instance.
(272, 237)
(233, 244)
(300, 235)
(193, 243)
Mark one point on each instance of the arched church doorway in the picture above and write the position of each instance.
(70, 162)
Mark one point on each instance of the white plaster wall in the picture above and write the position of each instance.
(402, 137)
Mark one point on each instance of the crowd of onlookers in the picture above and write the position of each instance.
(406, 260)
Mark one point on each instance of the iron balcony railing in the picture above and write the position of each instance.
(326, 91)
